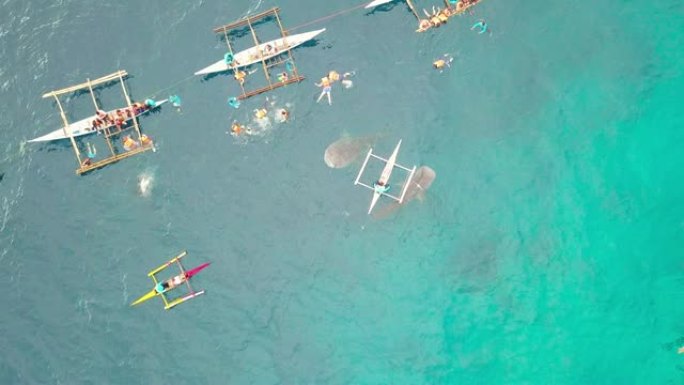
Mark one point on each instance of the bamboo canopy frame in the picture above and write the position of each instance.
(265, 63)
(84, 167)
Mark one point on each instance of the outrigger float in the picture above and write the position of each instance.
(381, 187)
(82, 127)
(163, 287)
(451, 8)
(269, 54)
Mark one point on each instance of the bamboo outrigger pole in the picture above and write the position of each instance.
(130, 106)
(413, 9)
(68, 134)
(92, 95)
(261, 54)
(289, 51)
(230, 49)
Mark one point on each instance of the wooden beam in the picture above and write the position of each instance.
(413, 9)
(270, 87)
(112, 159)
(289, 51)
(246, 20)
(261, 54)
(130, 107)
(102, 80)
(68, 134)
(92, 95)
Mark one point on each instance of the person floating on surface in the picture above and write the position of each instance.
(129, 144)
(260, 113)
(326, 85)
(443, 62)
(235, 129)
(481, 25)
(240, 76)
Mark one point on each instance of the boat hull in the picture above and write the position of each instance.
(83, 127)
(385, 176)
(256, 54)
(377, 3)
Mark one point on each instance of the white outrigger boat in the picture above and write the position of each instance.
(381, 186)
(85, 126)
(260, 52)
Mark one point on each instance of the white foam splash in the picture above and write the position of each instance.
(145, 183)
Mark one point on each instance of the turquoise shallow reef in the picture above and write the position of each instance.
(548, 250)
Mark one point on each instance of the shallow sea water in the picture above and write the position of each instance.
(547, 251)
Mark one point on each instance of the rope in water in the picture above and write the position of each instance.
(338, 13)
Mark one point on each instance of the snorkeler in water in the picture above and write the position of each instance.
(481, 25)
(443, 62)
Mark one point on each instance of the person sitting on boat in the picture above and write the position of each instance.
(325, 84)
(381, 187)
(150, 103)
(138, 108)
(129, 144)
(444, 14)
(269, 50)
(96, 124)
(283, 76)
(119, 122)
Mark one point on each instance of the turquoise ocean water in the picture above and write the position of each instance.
(548, 250)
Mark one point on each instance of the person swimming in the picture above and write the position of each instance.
(260, 113)
(443, 62)
(284, 114)
(129, 144)
(325, 84)
(240, 76)
(481, 25)
(235, 129)
(146, 140)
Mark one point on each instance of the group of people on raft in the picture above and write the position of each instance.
(119, 117)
